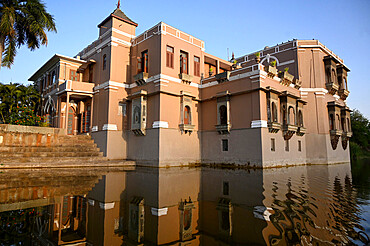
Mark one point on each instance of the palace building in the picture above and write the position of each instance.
(159, 99)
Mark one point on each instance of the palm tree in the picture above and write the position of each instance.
(22, 22)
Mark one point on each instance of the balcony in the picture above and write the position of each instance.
(332, 87)
(273, 127)
(301, 131)
(186, 78)
(286, 78)
(297, 83)
(336, 133)
(140, 78)
(289, 131)
(76, 86)
(186, 128)
(343, 93)
(334, 137)
(271, 71)
(346, 134)
(223, 77)
(223, 129)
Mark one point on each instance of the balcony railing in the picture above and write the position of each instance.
(332, 87)
(76, 86)
(289, 130)
(186, 77)
(301, 131)
(271, 71)
(343, 93)
(186, 128)
(140, 78)
(273, 127)
(223, 129)
(223, 77)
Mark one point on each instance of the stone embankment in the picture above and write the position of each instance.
(40, 147)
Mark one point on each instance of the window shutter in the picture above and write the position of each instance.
(168, 59)
(146, 63)
(139, 65)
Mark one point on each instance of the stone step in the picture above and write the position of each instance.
(93, 162)
(61, 144)
(50, 154)
(56, 161)
(56, 148)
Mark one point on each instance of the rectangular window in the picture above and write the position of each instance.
(91, 73)
(184, 62)
(73, 75)
(122, 109)
(286, 145)
(169, 57)
(225, 188)
(272, 144)
(145, 61)
(299, 145)
(196, 66)
(139, 66)
(225, 145)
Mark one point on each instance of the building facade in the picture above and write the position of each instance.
(158, 98)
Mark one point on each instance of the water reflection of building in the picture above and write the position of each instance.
(148, 205)
(43, 206)
(204, 206)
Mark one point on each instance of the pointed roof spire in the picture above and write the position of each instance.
(117, 13)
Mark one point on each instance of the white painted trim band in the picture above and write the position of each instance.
(258, 123)
(160, 124)
(109, 127)
(106, 206)
(91, 202)
(159, 211)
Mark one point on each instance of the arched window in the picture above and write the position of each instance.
(348, 125)
(345, 83)
(337, 124)
(274, 113)
(331, 121)
(283, 112)
(104, 62)
(53, 77)
(187, 115)
(300, 118)
(136, 115)
(343, 125)
(333, 75)
(291, 116)
(223, 115)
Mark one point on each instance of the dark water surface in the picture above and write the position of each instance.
(307, 205)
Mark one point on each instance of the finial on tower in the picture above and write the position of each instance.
(119, 4)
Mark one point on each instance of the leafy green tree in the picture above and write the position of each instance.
(22, 22)
(19, 105)
(359, 143)
(361, 129)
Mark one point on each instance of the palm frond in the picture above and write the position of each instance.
(9, 52)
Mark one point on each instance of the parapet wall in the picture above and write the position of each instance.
(31, 129)
(16, 135)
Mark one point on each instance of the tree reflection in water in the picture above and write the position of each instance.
(297, 221)
(22, 227)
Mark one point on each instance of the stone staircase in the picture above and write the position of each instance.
(30, 147)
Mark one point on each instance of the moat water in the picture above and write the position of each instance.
(306, 205)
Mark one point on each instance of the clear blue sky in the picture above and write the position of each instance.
(243, 26)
